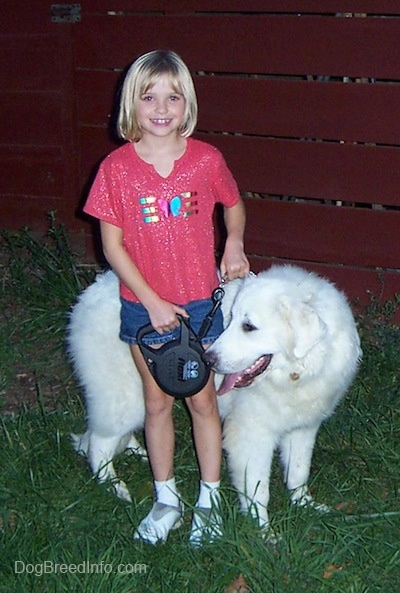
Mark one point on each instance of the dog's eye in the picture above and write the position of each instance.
(248, 327)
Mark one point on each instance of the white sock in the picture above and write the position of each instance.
(166, 492)
(208, 494)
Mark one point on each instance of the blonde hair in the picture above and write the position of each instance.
(141, 76)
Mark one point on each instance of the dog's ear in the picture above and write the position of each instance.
(307, 327)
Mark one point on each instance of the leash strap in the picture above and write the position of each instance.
(217, 296)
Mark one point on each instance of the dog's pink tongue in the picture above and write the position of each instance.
(228, 383)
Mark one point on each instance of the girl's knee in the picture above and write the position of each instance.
(203, 403)
(158, 403)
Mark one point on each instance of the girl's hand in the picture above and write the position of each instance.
(163, 317)
(234, 263)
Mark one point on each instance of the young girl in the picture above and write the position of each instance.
(155, 198)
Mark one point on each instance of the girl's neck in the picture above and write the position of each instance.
(161, 152)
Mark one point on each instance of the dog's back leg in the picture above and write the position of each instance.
(80, 442)
(100, 455)
(134, 447)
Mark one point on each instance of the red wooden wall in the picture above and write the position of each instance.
(302, 97)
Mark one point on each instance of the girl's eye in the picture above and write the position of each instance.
(147, 98)
(175, 97)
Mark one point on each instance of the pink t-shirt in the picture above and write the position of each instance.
(167, 222)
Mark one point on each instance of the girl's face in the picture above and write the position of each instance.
(160, 111)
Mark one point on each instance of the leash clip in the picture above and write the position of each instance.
(217, 296)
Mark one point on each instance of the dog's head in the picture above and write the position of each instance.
(269, 317)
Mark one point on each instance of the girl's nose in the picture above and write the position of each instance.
(161, 107)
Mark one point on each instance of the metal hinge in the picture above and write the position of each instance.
(65, 13)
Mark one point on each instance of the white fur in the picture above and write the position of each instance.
(112, 386)
(298, 317)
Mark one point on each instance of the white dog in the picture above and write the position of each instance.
(288, 354)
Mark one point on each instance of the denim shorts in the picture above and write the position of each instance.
(134, 316)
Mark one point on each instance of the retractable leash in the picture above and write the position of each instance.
(178, 366)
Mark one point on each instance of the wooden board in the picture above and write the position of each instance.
(321, 233)
(353, 112)
(363, 286)
(39, 170)
(363, 112)
(268, 44)
(320, 170)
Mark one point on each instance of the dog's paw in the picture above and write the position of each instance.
(139, 451)
(267, 533)
(121, 490)
(307, 501)
(270, 537)
(133, 447)
(320, 507)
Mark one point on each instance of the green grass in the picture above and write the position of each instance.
(55, 517)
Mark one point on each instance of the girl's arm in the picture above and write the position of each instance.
(234, 263)
(162, 313)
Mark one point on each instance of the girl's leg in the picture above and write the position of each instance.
(207, 431)
(166, 513)
(207, 522)
(159, 428)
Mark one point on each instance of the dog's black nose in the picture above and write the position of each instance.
(210, 358)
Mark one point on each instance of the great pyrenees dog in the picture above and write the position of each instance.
(289, 352)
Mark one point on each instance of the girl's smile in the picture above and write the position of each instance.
(161, 122)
